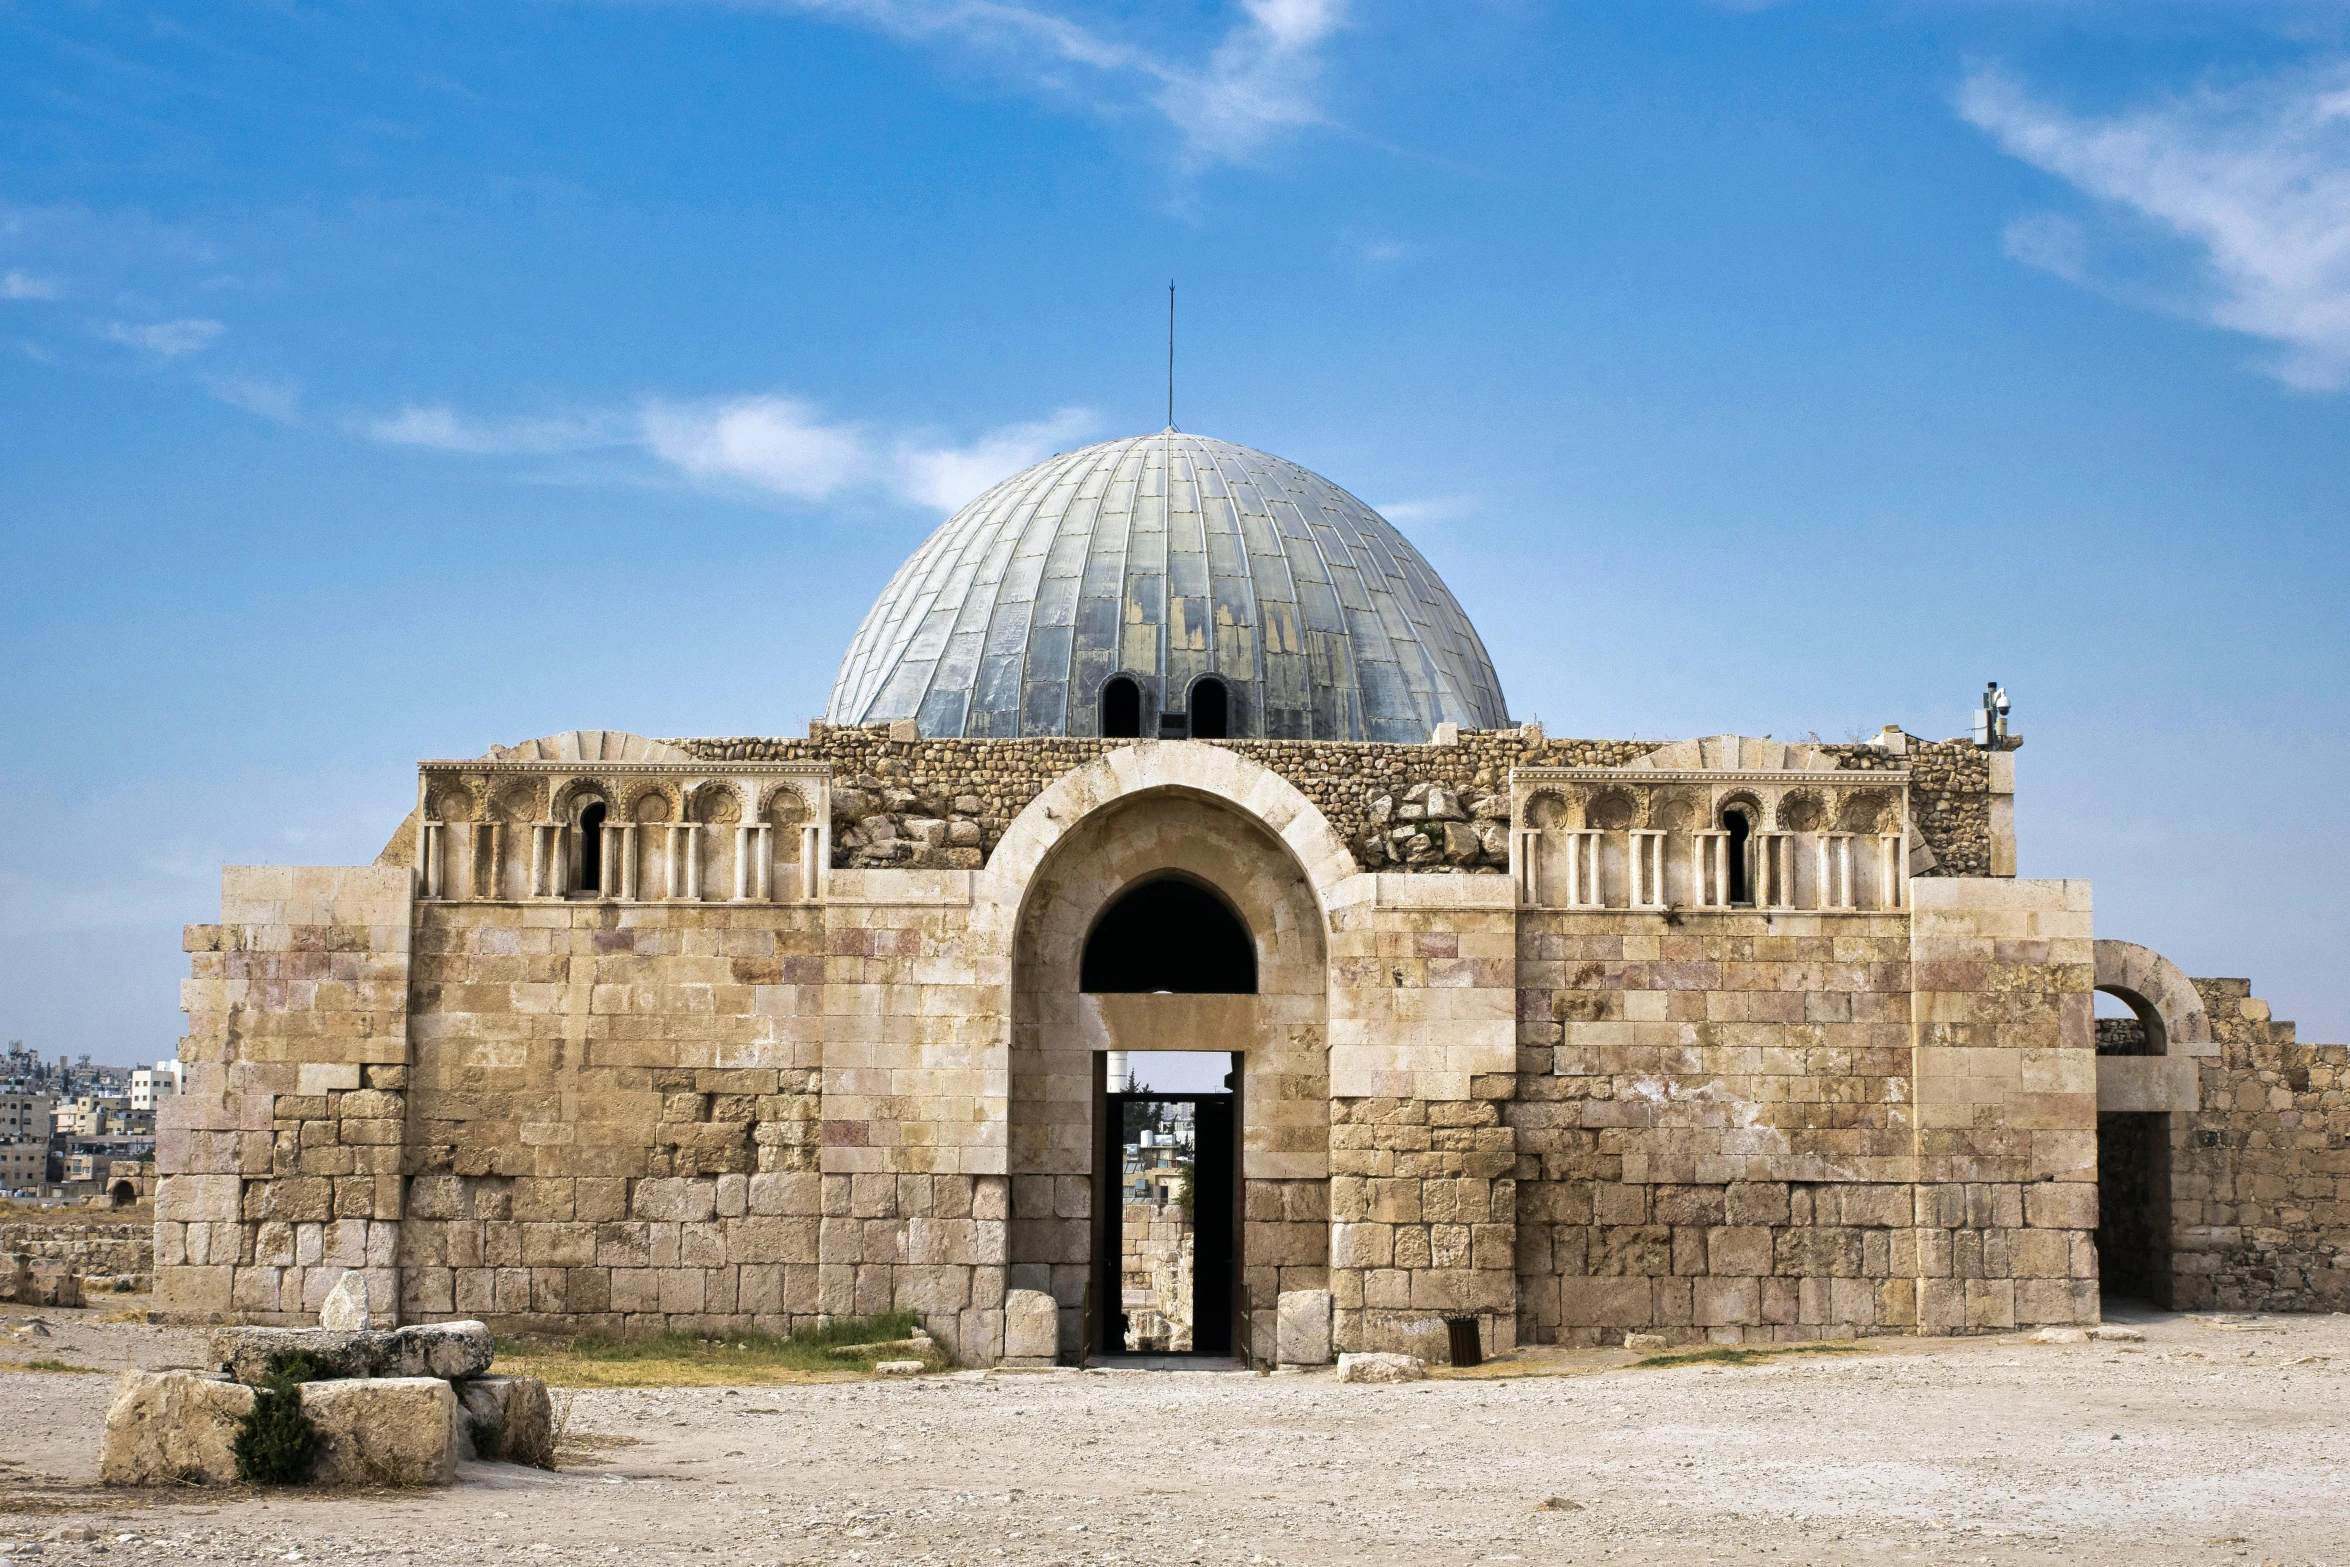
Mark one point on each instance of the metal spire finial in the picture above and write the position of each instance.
(1170, 353)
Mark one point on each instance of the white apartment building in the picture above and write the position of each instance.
(150, 1084)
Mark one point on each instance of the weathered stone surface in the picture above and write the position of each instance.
(172, 1428)
(1379, 1367)
(1302, 1331)
(395, 1431)
(520, 1410)
(1032, 1328)
(346, 1310)
(897, 1368)
(1646, 1343)
(448, 1350)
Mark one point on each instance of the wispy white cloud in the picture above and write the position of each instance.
(2255, 179)
(777, 444)
(168, 338)
(23, 285)
(1262, 78)
(763, 443)
(442, 428)
(280, 401)
(946, 476)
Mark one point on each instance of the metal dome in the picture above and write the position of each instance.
(1320, 619)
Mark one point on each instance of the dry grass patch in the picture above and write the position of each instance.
(1742, 1354)
(843, 1351)
(50, 1365)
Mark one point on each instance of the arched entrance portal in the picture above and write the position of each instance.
(2150, 1019)
(1169, 921)
(1166, 1166)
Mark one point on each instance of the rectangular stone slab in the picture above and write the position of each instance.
(172, 1428)
(448, 1350)
(388, 1431)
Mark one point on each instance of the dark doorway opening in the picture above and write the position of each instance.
(1741, 829)
(1166, 1256)
(2134, 1208)
(1169, 935)
(122, 1194)
(591, 848)
(1121, 709)
(1211, 709)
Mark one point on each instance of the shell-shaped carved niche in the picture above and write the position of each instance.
(519, 800)
(1677, 810)
(1612, 810)
(652, 805)
(452, 802)
(716, 804)
(1800, 810)
(1740, 801)
(1547, 809)
(785, 807)
(1867, 811)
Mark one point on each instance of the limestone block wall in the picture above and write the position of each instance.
(84, 1248)
(2006, 1090)
(1423, 1202)
(2260, 1176)
(282, 1155)
(1714, 1126)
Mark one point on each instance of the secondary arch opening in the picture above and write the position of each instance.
(1169, 935)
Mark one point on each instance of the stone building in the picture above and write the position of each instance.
(1168, 744)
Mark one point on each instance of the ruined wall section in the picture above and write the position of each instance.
(1713, 1124)
(2260, 1178)
(282, 1153)
(944, 803)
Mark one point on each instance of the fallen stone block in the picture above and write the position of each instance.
(1301, 1328)
(48, 1284)
(897, 1368)
(2117, 1335)
(172, 1428)
(1032, 1328)
(16, 1275)
(448, 1350)
(2059, 1336)
(1382, 1368)
(391, 1431)
(1646, 1343)
(517, 1410)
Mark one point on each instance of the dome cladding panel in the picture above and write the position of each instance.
(1322, 620)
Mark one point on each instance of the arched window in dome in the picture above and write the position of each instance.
(1211, 709)
(1121, 708)
(1169, 936)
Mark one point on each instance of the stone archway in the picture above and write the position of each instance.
(2146, 1077)
(1224, 822)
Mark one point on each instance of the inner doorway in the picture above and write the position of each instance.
(1166, 1199)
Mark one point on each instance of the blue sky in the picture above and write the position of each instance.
(388, 381)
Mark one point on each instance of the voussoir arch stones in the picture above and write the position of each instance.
(2162, 996)
(1204, 771)
(590, 745)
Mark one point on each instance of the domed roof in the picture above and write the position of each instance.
(1320, 619)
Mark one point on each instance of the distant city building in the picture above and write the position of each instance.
(148, 1084)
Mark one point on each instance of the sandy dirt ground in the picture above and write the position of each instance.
(2213, 1440)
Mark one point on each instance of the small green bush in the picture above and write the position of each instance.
(276, 1444)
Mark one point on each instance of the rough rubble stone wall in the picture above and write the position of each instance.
(1154, 1271)
(282, 1152)
(944, 803)
(2260, 1178)
(84, 1248)
(1714, 1134)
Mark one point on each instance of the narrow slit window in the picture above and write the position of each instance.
(1740, 830)
(591, 848)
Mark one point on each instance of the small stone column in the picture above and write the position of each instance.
(628, 865)
(690, 842)
(1526, 865)
(811, 869)
(1647, 861)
